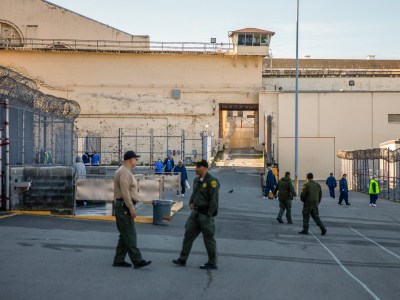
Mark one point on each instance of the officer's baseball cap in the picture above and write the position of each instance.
(202, 163)
(130, 154)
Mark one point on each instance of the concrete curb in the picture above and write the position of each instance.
(176, 206)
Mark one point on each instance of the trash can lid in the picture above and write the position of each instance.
(162, 202)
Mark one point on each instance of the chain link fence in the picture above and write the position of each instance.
(381, 164)
(40, 126)
(149, 144)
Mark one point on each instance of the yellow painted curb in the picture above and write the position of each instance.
(7, 216)
(176, 206)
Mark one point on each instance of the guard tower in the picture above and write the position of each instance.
(251, 41)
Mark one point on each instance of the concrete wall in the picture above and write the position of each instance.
(328, 122)
(43, 20)
(52, 189)
(332, 84)
(134, 91)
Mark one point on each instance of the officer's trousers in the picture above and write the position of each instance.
(285, 205)
(311, 210)
(200, 223)
(127, 236)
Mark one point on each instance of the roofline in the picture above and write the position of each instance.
(73, 12)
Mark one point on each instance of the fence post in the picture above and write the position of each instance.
(183, 145)
(151, 146)
(120, 145)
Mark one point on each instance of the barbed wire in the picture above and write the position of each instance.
(23, 92)
(374, 153)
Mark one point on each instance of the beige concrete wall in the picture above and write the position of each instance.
(333, 84)
(42, 20)
(329, 122)
(133, 91)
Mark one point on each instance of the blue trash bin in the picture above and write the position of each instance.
(162, 212)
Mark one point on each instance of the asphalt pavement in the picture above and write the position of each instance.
(258, 258)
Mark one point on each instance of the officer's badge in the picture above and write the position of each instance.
(214, 184)
(204, 185)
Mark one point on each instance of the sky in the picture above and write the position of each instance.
(339, 29)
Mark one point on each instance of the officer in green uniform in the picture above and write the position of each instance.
(286, 194)
(311, 195)
(204, 206)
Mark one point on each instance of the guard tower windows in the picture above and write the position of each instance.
(253, 39)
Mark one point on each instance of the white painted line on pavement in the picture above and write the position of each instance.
(372, 241)
(346, 270)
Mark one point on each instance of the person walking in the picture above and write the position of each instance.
(311, 195)
(270, 183)
(158, 167)
(285, 196)
(344, 190)
(332, 184)
(126, 195)
(204, 206)
(95, 159)
(168, 164)
(180, 168)
(86, 158)
(373, 192)
(79, 168)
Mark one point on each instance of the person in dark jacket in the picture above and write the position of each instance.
(285, 196)
(311, 195)
(168, 164)
(344, 190)
(373, 192)
(270, 182)
(332, 184)
(180, 168)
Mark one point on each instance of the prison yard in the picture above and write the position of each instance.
(258, 258)
(76, 95)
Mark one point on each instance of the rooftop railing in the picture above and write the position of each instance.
(116, 46)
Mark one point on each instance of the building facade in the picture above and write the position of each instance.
(160, 98)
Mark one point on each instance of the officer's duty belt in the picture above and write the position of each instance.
(120, 199)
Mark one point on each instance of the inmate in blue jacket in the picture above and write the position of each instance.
(343, 185)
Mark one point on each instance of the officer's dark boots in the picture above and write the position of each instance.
(303, 232)
(121, 264)
(323, 231)
(208, 266)
(279, 220)
(179, 262)
(142, 264)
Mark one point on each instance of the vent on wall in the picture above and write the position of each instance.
(176, 94)
(394, 118)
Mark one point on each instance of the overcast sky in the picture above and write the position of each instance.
(328, 28)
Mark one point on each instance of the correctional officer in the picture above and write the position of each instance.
(286, 194)
(126, 195)
(311, 195)
(204, 206)
(373, 192)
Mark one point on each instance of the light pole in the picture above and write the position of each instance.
(296, 131)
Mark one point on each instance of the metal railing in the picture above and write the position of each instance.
(118, 46)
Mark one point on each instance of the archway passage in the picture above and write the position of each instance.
(238, 125)
(9, 35)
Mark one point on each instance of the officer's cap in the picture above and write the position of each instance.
(130, 154)
(202, 163)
